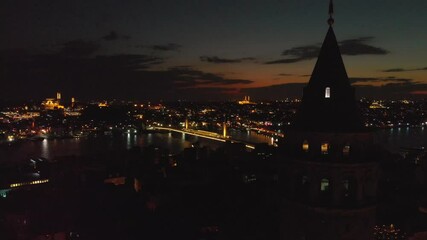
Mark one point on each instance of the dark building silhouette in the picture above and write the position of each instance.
(330, 169)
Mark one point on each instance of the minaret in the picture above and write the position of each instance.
(58, 96)
(330, 165)
(224, 129)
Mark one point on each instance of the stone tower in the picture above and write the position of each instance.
(330, 168)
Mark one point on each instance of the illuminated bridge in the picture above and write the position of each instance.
(207, 135)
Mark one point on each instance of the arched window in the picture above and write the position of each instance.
(324, 185)
(327, 92)
(346, 150)
(305, 146)
(304, 180)
(324, 148)
(302, 187)
(346, 185)
(349, 189)
(369, 188)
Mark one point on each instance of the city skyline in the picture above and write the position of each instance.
(153, 50)
(179, 121)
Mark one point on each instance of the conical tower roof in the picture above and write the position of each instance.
(329, 69)
(328, 103)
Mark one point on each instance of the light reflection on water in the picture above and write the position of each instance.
(392, 139)
(95, 145)
(45, 149)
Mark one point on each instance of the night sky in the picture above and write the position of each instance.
(205, 49)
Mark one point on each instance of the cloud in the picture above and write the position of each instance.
(133, 62)
(395, 70)
(122, 76)
(113, 35)
(189, 77)
(215, 59)
(380, 79)
(207, 93)
(405, 69)
(79, 48)
(390, 90)
(291, 60)
(358, 46)
(166, 47)
(393, 90)
(351, 47)
(275, 92)
(286, 74)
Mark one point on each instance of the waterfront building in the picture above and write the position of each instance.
(330, 171)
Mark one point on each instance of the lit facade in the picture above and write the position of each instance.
(51, 104)
(246, 100)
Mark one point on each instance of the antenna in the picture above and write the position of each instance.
(331, 13)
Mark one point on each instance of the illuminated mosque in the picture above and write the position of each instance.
(52, 103)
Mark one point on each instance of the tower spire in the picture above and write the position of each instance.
(331, 13)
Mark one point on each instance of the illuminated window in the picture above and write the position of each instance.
(324, 185)
(346, 150)
(305, 146)
(324, 148)
(327, 92)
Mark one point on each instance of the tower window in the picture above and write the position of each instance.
(324, 148)
(324, 185)
(304, 180)
(349, 189)
(305, 146)
(346, 150)
(346, 184)
(327, 92)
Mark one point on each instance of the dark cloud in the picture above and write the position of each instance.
(215, 59)
(166, 47)
(275, 92)
(351, 47)
(286, 74)
(79, 48)
(132, 62)
(395, 70)
(389, 90)
(113, 35)
(393, 90)
(404, 69)
(207, 93)
(358, 46)
(290, 60)
(379, 79)
(124, 76)
(189, 77)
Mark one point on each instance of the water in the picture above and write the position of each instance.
(93, 145)
(409, 137)
(392, 139)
